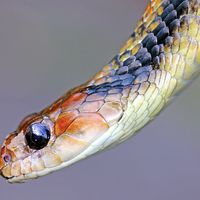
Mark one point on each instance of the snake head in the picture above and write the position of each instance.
(23, 151)
(56, 137)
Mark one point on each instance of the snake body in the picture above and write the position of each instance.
(156, 62)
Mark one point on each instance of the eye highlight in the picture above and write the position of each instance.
(37, 136)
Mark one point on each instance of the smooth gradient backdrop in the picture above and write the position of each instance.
(49, 46)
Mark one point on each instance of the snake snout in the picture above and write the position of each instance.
(7, 156)
(2, 161)
(1, 164)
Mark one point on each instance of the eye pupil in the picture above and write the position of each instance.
(37, 136)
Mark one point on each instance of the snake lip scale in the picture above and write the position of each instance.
(158, 60)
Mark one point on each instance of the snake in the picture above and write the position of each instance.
(158, 60)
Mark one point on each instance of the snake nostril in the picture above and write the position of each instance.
(6, 158)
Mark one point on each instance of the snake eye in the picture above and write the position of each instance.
(37, 136)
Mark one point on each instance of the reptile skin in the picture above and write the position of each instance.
(156, 62)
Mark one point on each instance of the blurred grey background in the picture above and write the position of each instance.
(47, 47)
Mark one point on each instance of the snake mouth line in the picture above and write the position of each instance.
(92, 149)
(5, 177)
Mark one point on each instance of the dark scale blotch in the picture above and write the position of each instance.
(182, 8)
(174, 25)
(169, 41)
(122, 70)
(176, 3)
(159, 27)
(135, 65)
(140, 54)
(151, 42)
(162, 34)
(170, 17)
(167, 10)
(133, 34)
(146, 59)
(184, 22)
(166, 3)
(156, 61)
(145, 40)
(155, 51)
(128, 61)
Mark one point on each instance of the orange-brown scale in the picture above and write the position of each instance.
(64, 120)
(87, 127)
(73, 101)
